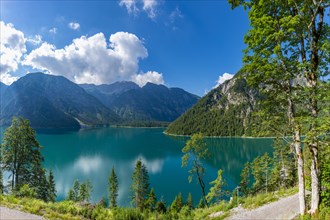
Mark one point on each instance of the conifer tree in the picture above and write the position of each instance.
(201, 204)
(152, 200)
(190, 202)
(51, 187)
(113, 189)
(177, 203)
(85, 191)
(140, 185)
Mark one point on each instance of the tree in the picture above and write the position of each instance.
(151, 201)
(85, 191)
(113, 189)
(245, 179)
(51, 187)
(261, 170)
(177, 203)
(190, 202)
(194, 151)
(140, 185)
(289, 42)
(20, 152)
(217, 192)
(201, 203)
(76, 190)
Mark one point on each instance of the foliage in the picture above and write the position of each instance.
(217, 191)
(140, 185)
(177, 203)
(195, 151)
(113, 189)
(80, 192)
(51, 187)
(190, 203)
(25, 191)
(245, 179)
(151, 201)
(21, 155)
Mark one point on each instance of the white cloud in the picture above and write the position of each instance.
(150, 76)
(135, 6)
(224, 77)
(74, 25)
(12, 44)
(53, 30)
(94, 60)
(36, 40)
(131, 5)
(150, 6)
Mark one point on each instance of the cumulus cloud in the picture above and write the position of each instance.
(135, 6)
(224, 77)
(150, 76)
(94, 60)
(12, 43)
(74, 25)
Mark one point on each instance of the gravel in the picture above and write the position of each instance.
(284, 208)
(9, 214)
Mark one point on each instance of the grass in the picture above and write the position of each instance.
(68, 210)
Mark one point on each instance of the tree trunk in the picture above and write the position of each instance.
(315, 181)
(301, 178)
(297, 146)
(202, 184)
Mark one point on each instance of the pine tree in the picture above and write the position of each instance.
(85, 191)
(177, 203)
(217, 192)
(195, 151)
(151, 201)
(76, 191)
(71, 195)
(113, 189)
(51, 187)
(201, 204)
(140, 185)
(190, 202)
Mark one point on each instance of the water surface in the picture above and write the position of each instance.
(91, 154)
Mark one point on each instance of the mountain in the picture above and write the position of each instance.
(53, 102)
(108, 93)
(150, 103)
(224, 111)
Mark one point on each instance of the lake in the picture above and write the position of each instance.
(91, 154)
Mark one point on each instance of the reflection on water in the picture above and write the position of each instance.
(91, 154)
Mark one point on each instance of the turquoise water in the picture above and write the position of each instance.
(90, 154)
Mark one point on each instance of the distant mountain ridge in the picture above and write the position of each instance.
(50, 101)
(53, 102)
(150, 103)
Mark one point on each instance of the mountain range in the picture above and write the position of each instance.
(50, 101)
(224, 111)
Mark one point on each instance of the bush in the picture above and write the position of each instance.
(25, 191)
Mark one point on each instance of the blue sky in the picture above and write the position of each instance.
(186, 44)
